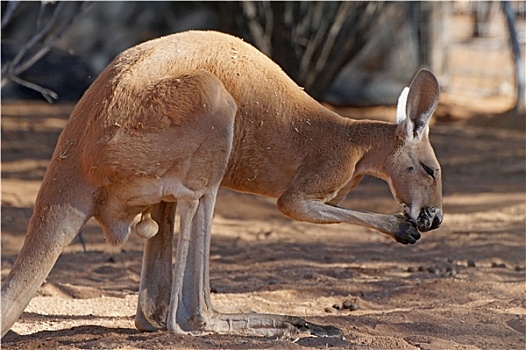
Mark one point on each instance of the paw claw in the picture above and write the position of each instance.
(317, 330)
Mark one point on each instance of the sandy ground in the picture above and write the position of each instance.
(460, 287)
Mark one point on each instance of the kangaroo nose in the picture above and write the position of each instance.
(429, 219)
(437, 220)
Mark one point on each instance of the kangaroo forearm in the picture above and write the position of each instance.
(321, 213)
(397, 227)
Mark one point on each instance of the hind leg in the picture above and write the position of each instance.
(156, 273)
(191, 310)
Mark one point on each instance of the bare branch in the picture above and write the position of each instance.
(312, 44)
(50, 41)
(12, 69)
(269, 24)
(9, 68)
(9, 11)
(519, 107)
(255, 27)
(328, 47)
(49, 95)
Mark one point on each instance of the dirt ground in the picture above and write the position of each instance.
(460, 287)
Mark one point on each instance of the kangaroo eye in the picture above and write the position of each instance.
(428, 170)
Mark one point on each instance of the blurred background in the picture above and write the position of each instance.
(346, 54)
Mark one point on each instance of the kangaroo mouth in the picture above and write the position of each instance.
(428, 219)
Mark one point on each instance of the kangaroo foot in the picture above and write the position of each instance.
(260, 325)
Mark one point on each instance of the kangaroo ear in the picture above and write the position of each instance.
(417, 103)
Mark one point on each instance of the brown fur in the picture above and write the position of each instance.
(173, 119)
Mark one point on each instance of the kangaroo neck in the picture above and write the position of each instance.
(376, 141)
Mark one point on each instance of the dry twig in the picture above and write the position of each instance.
(46, 35)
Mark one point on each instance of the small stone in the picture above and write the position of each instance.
(350, 305)
(450, 272)
(336, 306)
(471, 263)
(411, 269)
(347, 304)
(434, 270)
(329, 310)
(498, 266)
(421, 268)
(518, 268)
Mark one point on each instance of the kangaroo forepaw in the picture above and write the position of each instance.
(406, 232)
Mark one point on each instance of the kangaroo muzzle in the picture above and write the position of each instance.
(429, 219)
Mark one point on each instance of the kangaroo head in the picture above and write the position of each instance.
(414, 174)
